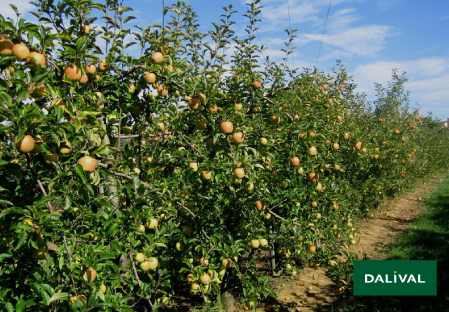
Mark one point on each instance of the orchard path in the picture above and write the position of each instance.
(312, 290)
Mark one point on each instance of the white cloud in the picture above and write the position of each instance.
(385, 5)
(272, 41)
(429, 66)
(23, 6)
(274, 54)
(344, 39)
(275, 13)
(362, 41)
(380, 72)
(341, 19)
(436, 85)
(419, 70)
(276, 17)
(428, 81)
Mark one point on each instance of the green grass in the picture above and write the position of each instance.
(426, 239)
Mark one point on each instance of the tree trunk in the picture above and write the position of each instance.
(111, 187)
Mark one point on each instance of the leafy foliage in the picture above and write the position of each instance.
(165, 184)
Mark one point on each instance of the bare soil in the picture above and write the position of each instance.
(312, 290)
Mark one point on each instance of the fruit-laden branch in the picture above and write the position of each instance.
(50, 208)
(140, 66)
(277, 91)
(289, 116)
(205, 234)
(134, 267)
(39, 183)
(135, 271)
(118, 174)
(191, 145)
(209, 251)
(268, 100)
(70, 261)
(278, 216)
(133, 136)
(189, 211)
(282, 89)
(131, 70)
(122, 175)
(54, 65)
(171, 82)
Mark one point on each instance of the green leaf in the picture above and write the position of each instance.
(89, 189)
(45, 295)
(6, 98)
(20, 134)
(128, 18)
(34, 243)
(22, 238)
(57, 296)
(106, 204)
(9, 307)
(20, 306)
(67, 202)
(6, 202)
(136, 182)
(123, 9)
(61, 262)
(81, 44)
(130, 44)
(4, 255)
(21, 94)
(40, 77)
(160, 245)
(14, 210)
(55, 179)
(102, 149)
(99, 6)
(101, 296)
(79, 170)
(105, 256)
(45, 200)
(14, 8)
(112, 228)
(55, 136)
(45, 147)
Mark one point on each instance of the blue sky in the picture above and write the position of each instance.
(371, 37)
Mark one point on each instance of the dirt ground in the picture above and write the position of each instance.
(312, 290)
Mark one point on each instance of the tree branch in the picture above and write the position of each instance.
(50, 208)
(39, 183)
(278, 216)
(133, 136)
(122, 175)
(134, 267)
(54, 64)
(189, 211)
(191, 145)
(131, 70)
(268, 100)
(117, 157)
(70, 261)
(118, 174)
(138, 66)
